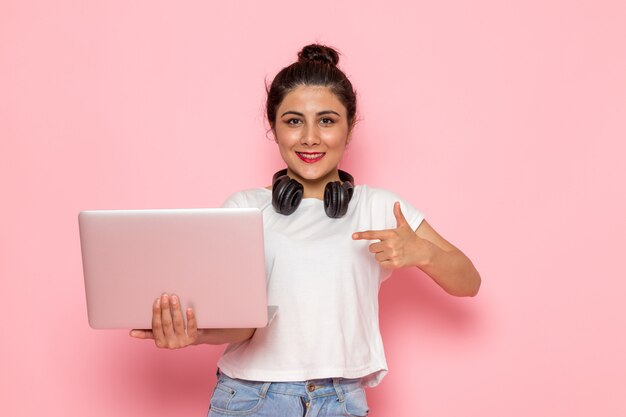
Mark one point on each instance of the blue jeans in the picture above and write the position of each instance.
(330, 397)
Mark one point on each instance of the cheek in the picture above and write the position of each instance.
(335, 140)
(285, 145)
(284, 152)
(285, 137)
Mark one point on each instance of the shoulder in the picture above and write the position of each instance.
(373, 195)
(253, 197)
(378, 203)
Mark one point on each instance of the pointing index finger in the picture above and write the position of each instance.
(372, 234)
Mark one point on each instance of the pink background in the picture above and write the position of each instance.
(503, 121)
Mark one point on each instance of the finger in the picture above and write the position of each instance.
(381, 257)
(166, 317)
(142, 334)
(177, 317)
(377, 247)
(157, 325)
(388, 264)
(373, 234)
(192, 325)
(400, 219)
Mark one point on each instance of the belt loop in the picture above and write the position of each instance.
(264, 389)
(338, 389)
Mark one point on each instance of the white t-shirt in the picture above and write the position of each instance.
(326, 288)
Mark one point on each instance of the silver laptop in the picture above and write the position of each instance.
(211, 258)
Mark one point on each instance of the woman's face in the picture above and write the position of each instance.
(311, 130)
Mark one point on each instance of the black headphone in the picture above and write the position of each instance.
(287, 194)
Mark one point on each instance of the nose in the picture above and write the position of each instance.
(310, 136)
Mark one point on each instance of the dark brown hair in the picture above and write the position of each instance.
(316, 66)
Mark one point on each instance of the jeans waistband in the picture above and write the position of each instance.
(311, 388)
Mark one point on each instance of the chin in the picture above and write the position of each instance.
(313, 175)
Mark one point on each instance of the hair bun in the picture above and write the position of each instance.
(319, 53)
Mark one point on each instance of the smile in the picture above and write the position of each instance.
(310, 157)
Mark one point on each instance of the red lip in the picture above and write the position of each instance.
(306, 156)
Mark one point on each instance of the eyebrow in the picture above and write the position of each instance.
(320, 113)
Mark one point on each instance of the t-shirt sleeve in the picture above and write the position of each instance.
(412, 215)
(234, 201)
(385, 201)
(250, 198)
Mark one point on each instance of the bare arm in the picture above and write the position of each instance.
(221, 336)
(426, 249)
(446, 264)
(170, 331)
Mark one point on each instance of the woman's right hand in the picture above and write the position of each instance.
(169, 329)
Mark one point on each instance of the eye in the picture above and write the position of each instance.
(293, 121)
(327, 121)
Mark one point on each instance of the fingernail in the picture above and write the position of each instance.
(174, 300)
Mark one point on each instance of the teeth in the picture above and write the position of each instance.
(310, 155)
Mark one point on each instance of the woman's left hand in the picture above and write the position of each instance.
(399, 247)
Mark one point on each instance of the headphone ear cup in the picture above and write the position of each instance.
(348, 191)
(330, 199)
(286, 195)
(336, 198)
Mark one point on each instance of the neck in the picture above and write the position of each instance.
(315, 188)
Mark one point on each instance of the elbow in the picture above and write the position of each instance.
(474, 291)
(467, 279)
(474, 286)
(469, 287)
(471, 281)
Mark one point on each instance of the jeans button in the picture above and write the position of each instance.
(310, 387)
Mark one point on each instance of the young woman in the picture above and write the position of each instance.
(329, 244)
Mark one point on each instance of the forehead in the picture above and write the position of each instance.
(311, 99)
